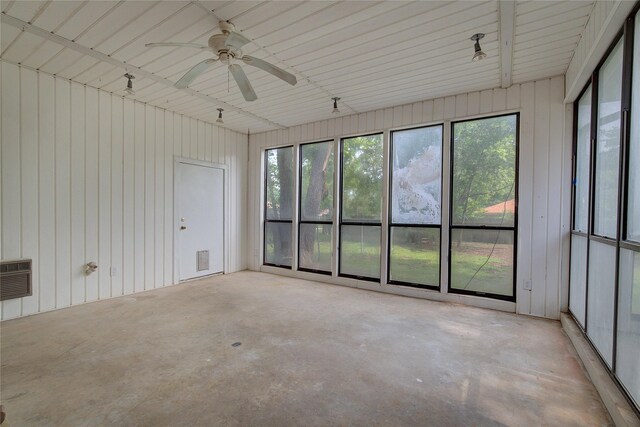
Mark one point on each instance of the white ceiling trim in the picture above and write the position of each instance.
(507, 14)
(30, 28)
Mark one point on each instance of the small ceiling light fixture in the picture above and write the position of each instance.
(220, 121)
(479, 54)
(129, 88)
(335, 105)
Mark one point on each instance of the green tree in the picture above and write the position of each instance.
(362, 178)
(483, 169)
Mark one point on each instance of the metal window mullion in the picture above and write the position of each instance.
(445, 206)
(385, 245)
(338, 206)
(296, 207)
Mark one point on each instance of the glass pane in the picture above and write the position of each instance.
(317, 181)
(482, 261)
(277, 243)
(279, 171)
(583, 156)
(315, 246)
(578, 285)
(633, 207)
(417, 171)
(605, 213)
(362, 178)
(484, 171)
(628, 345)
(602, 264)
(360, 251)
(415, 255)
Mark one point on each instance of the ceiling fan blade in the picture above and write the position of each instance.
(236, 40)
(271, 69)
(194, 72)
(243, 82)
(170, 44)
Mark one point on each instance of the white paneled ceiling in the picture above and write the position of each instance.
(372, 54)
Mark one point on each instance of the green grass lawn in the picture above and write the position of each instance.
(413, 264)
(470, 269)
(420, 264)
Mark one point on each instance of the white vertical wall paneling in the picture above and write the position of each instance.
(149, 197)
(193, 131)
(104, 195)
(139, 201)
(29, 169)
(473, 103)
(207, 142)
(542, 141)
(184, 136)
(158, 209)
(169, 132)
(128, 198)
(11, 177)
(88, 176)
(91, 190)
(63, 190)
(525, 200)
(117, 197)
(540, 197)
(46, 194)
(554, 203)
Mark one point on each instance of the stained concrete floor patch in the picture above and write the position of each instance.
(311, 354)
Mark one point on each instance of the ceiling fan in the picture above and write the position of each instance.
(227, 47)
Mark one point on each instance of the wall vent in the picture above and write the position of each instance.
(15, 279)
(202, 260)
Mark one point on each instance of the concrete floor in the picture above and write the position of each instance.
(311, 354)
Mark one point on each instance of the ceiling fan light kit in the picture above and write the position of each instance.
(478, 53)
(227, 49)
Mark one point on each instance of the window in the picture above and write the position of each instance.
(483, 206)
(633, 186)
(583, 157)
(628, 320)
(415, 208)
(604, 293)
(278, 207)
(607, 161)
(315, 233)
(361, 207)
(581, 185)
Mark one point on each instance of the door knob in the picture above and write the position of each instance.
(183, 227)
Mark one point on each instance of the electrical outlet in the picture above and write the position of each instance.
(114, 271)
(527, 285)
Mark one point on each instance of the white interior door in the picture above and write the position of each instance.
(200, 220)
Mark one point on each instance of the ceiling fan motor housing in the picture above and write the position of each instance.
(216, 42)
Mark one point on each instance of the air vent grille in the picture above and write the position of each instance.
(15, 279)
(202, 262)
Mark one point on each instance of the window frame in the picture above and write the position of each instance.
(391, 222)
(342, 222)
(300, 216)
(621, 241)
(513, 228)
(264, 207)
